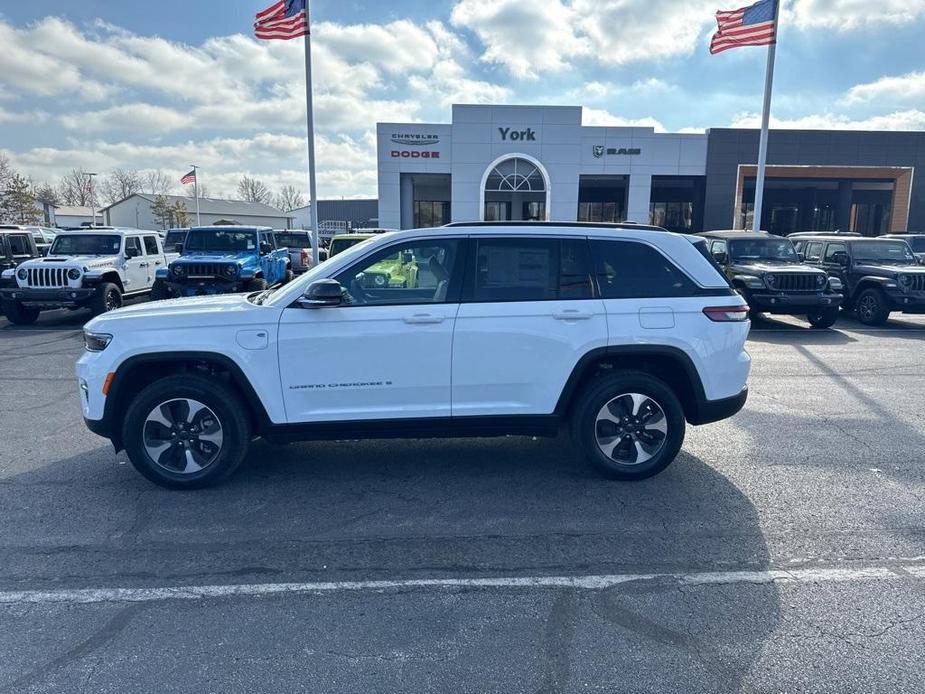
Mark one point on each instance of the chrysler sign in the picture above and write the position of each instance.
(415, 139)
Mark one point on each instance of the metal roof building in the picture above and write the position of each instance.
(137, 211)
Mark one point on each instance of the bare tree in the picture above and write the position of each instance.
(156, 182)
(289, 198)
(74, 188)
(254, 190)
(120, 184)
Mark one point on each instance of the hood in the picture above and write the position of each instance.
(889, 270)
(215, 257)
(193, 312)
(759, 266)
(82, 261)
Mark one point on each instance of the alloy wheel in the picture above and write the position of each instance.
(631, 429)
(867, 308)
(183, 436)
(112, 300)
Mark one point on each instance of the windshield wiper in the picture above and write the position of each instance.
(262, 296)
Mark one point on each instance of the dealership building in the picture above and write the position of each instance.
(540, 162)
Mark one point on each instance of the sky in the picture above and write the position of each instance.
(99, 84)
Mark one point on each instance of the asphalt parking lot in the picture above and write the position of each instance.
(784, 551)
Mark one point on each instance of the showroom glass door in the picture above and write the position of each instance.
(497, 211)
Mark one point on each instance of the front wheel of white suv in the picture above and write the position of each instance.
(186, 432)
(629, 424)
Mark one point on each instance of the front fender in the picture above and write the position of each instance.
(162, 273)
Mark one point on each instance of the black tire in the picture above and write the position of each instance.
(824, 318)
(287, 276)
(662, 446)
(18, 314)
(222, 403)
(258, 284)
(159, 291)
(107, 298)
(871, 307)
(753, 314)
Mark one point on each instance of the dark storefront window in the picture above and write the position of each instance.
(676, 203)
(601, 212)
(602, 199)
(431, 213)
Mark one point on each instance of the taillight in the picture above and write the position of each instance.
(306, 258)
(726, 314)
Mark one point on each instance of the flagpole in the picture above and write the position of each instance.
(313, 210)
(765, 125)
(196, 192)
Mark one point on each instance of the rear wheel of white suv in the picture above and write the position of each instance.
(186, 432)
(629, 424)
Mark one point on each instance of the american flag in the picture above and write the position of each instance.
(750, 26)
(189, 178)
(284, 20)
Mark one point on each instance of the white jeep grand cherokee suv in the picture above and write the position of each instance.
(484, 329)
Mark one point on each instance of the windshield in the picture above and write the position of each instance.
(227, 240)
(342, 244)
(86, 244)
(780, 250)
(917, 243)
(174, 237)
(293, 241)
(883, 252)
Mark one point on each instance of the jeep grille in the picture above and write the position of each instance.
(917, 283)
(205, 270)
(47, 277)
(802, 282)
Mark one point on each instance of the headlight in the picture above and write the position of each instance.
(820, 280)
(771, 280)
(231, 270)
(752, 282)
(22, 273)
(904, 281)
(835, 284)
(177, 270)
(73, 274)
(96, 342)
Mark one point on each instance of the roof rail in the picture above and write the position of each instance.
(590, 225)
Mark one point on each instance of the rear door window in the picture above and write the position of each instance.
(633, 270)
(530, 269)
(150, 245)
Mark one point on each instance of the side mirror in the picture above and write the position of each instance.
(840, 258)
(132, 253)
(265, 248)
(720, 257)
(178, 247)
(322, 293)
(407, 257)
(802, 257)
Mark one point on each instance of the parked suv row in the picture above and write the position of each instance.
(625, 334)
(879, 275)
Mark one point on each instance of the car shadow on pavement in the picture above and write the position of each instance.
(444, 508)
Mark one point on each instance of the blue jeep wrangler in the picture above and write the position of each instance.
(224, 260)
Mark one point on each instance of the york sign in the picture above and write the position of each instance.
(528, 135)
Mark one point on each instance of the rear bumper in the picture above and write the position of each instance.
(794, 303)
(709, 411)
(59, 296)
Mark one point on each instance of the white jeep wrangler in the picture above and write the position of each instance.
(623, 332)
(93, 269)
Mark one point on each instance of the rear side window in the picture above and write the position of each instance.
(19, 245)
(631, 270)
(531, 269)
(150, 245)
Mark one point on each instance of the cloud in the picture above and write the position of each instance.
(904, 87)
(133, 117)
(7, 116)
(899, 120)
(847, 15)
(595, 116)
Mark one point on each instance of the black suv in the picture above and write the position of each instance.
(16, 246)
(879, 275)
(915, 240)
(768, 273)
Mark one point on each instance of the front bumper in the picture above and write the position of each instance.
(794, 303)
(205, 287)
(57, 296)
(906, 303)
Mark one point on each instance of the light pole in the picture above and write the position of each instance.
(196, 192)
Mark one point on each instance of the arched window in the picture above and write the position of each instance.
(515, 187)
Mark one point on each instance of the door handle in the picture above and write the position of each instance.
(572, 314)
(157, 262)
(423, 319)
(142, 265)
